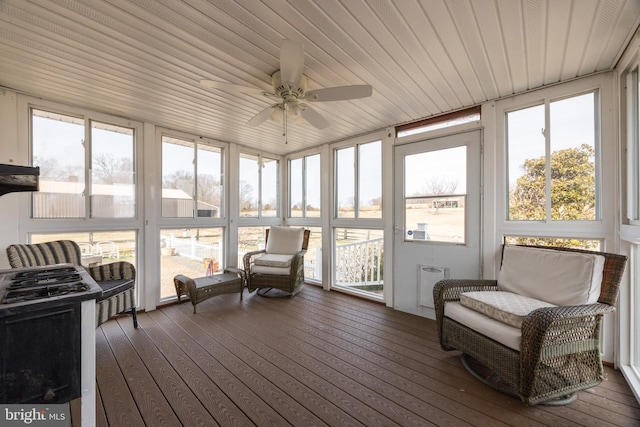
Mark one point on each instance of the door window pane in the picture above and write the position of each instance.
(59, 151)
(177, 178)
(112, 171)
(435, 195)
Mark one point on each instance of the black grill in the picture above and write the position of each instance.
(40, 332)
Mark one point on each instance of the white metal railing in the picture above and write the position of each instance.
(360, 263)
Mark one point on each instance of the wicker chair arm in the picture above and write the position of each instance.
(112, 271)
(297, 259)
(556, 332)
(247, 259)
(450, 289)
(543, 321)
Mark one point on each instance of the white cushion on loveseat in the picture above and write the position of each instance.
(285, 240)
(557, 277)
(494, 329)
(505, 307)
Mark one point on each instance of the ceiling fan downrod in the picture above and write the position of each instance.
(284, 122)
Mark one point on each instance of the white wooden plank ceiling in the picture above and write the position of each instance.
(143, 59)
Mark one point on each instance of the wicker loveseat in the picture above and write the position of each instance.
(281, 264)
(117, 279)
(555, 351)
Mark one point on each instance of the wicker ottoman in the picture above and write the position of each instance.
(203, 288)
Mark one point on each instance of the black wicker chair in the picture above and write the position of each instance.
(559, 346)
(288, 278)
(117, 279)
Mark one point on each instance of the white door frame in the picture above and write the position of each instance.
(418, 264)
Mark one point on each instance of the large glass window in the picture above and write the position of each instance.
(359, 181)
(304, 187)
(191, 179)
(97, 247)
(359, 260)
(60, 147)
(112, 171)
(551, 153)
(259, 193)
(194, 252)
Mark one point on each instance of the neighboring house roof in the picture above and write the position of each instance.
(124, 190)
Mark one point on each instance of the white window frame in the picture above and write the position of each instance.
(356, 222)
(29, 226)
(601, 229)
(260, 220)
(197, 141)
(303, 157)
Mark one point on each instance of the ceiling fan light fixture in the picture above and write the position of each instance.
(294, 110)
(277, 114)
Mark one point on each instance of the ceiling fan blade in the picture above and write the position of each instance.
(313, 117)
(262, 116)
(230, 87)
(291, 62)
(338, 93)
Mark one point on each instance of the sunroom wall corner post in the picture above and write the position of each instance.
(148, 244)
(232, 188)
(491, 205)
(388, 141)
(326, 209)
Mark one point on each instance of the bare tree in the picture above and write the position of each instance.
(51, 169)
(246, 197)
(439, 186)
(108, 169)
(182, 180)
(209, 189)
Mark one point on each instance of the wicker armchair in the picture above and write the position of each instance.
(281, 264)
(559, 350)
(117, 279)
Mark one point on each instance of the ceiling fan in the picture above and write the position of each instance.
(290, 90)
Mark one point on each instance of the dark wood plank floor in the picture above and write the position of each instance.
(320, 358)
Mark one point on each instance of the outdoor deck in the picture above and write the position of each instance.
(320, 358)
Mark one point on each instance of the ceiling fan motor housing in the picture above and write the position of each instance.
(288, 91)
